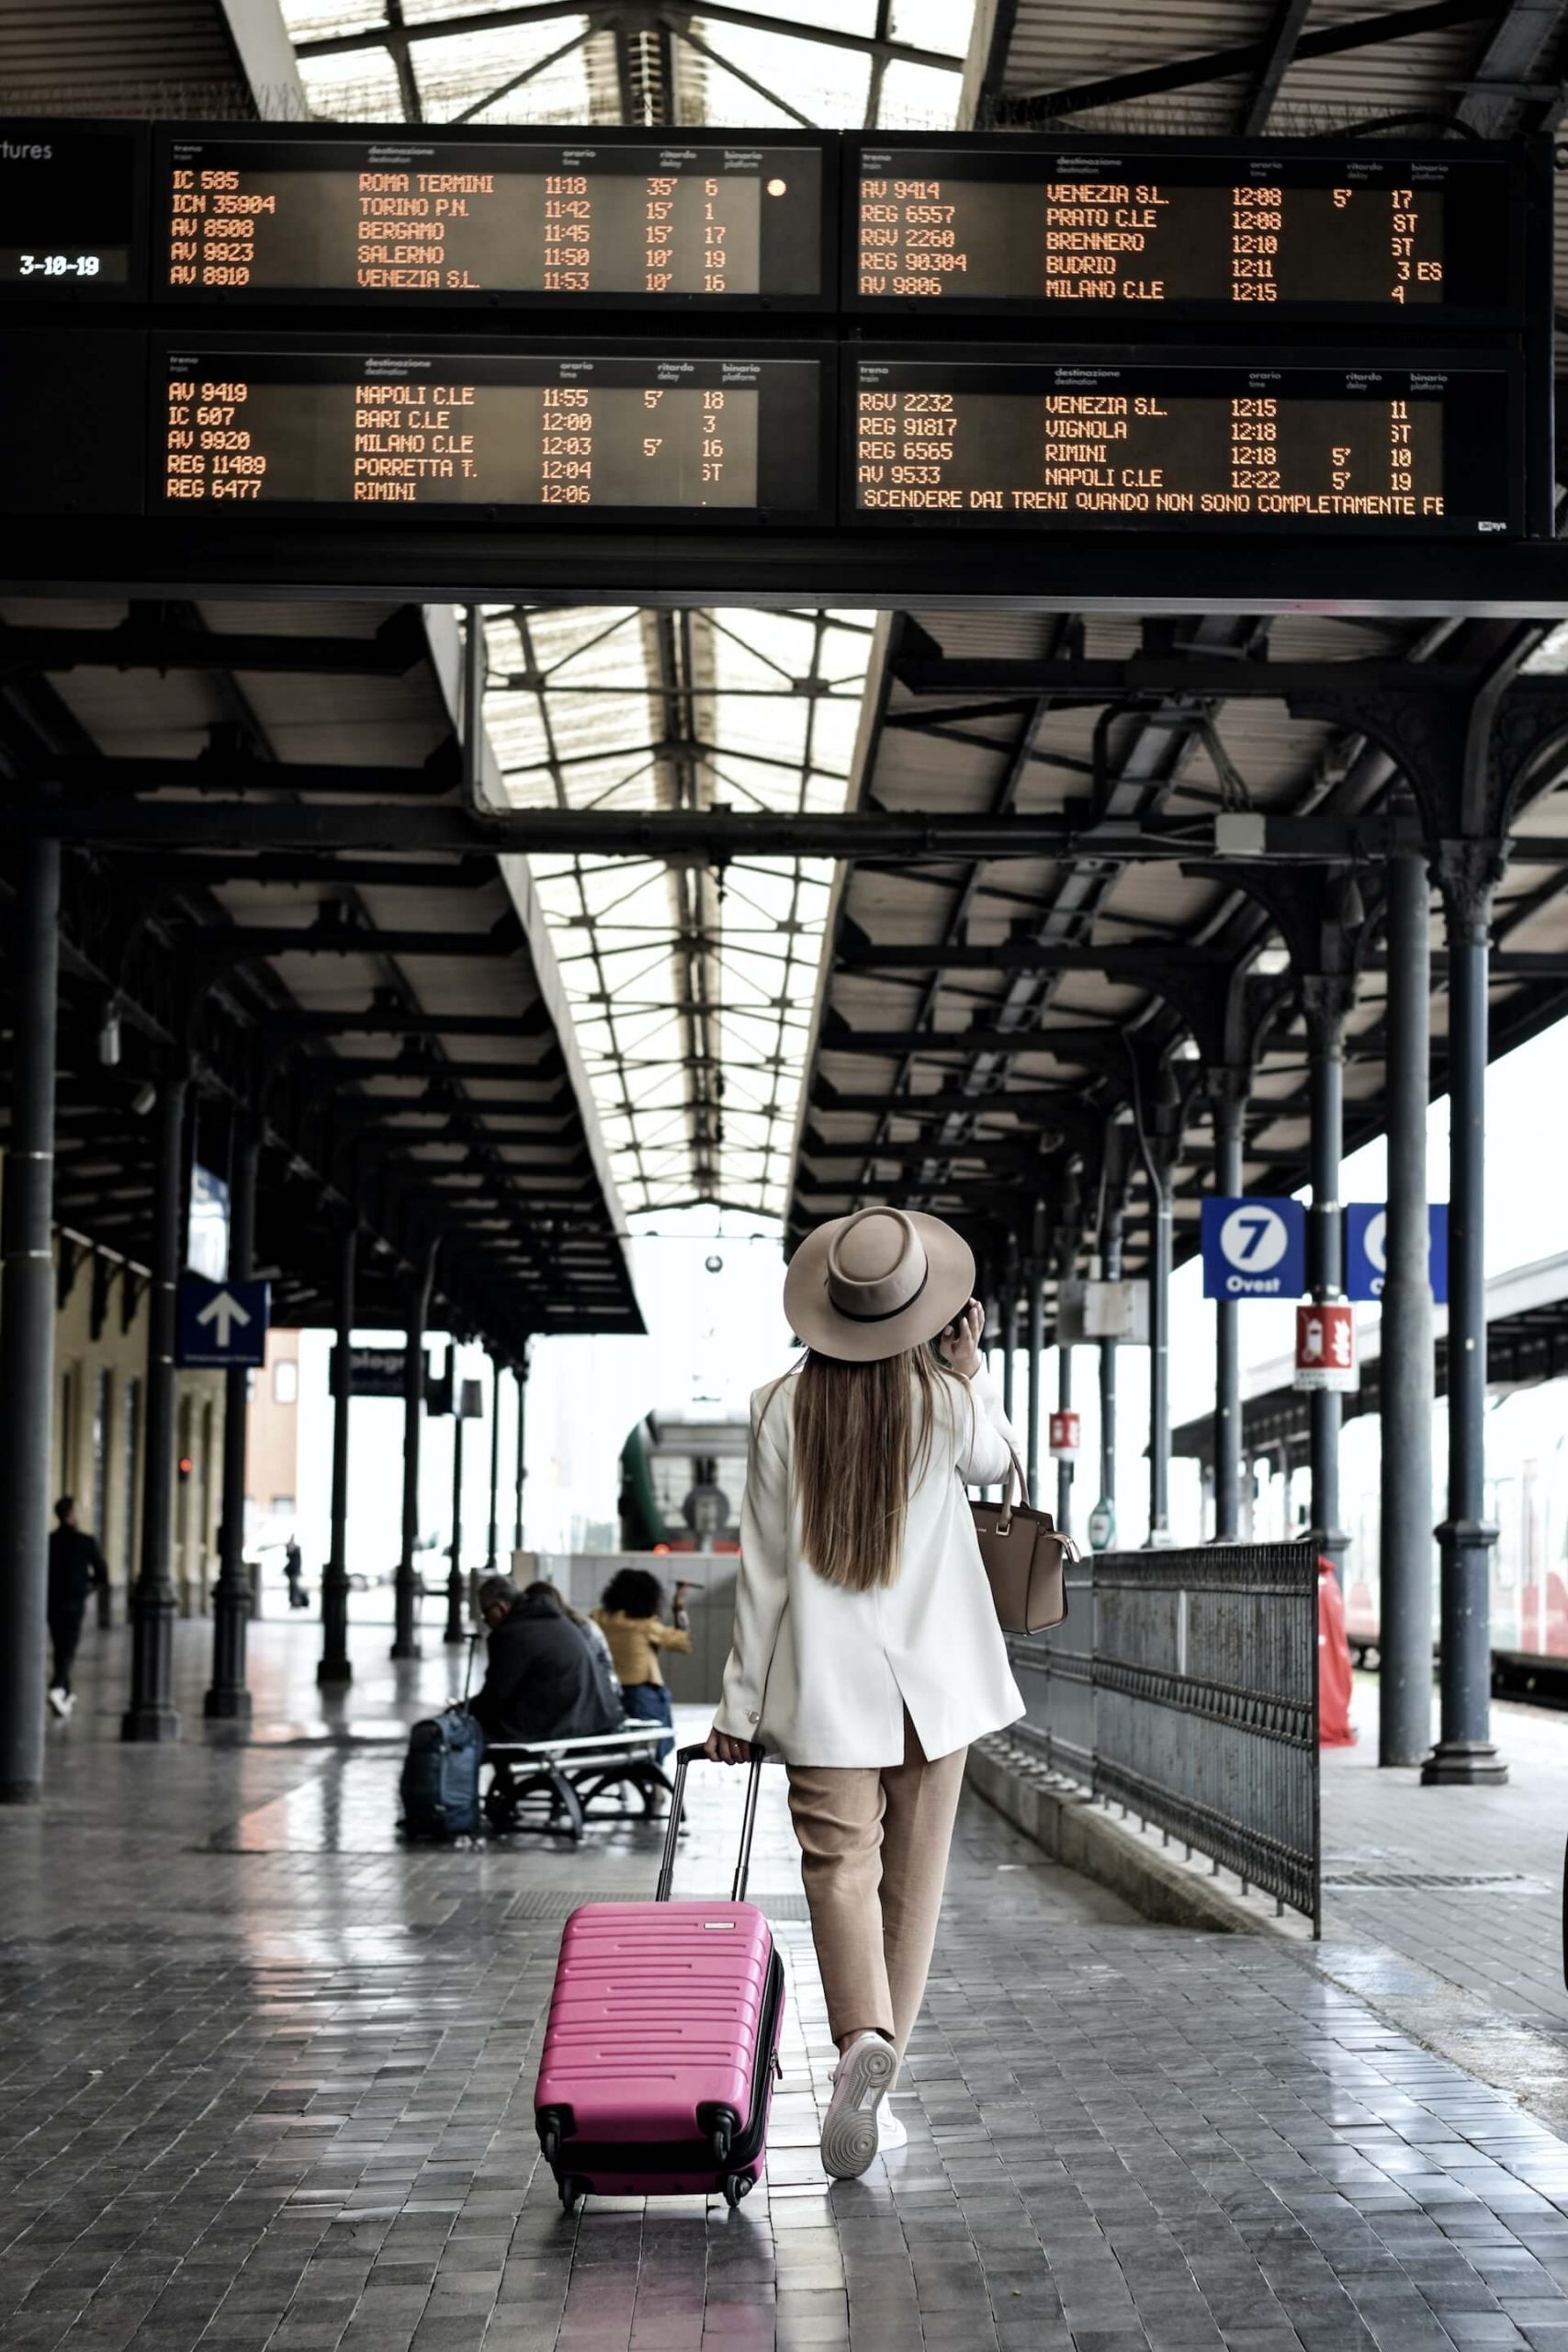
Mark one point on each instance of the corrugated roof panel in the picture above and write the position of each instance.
(93, 57)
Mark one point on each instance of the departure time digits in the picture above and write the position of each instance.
(396, 439)
(458, 221)
(1158, 240)
(1108, 452)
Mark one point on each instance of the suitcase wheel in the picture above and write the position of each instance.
(549, 2141)
(736, 2185)
(718, 2141)
(571, 2193)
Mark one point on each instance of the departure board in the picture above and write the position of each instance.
(71, 205)
(401, 216)
(1021, 225)
(683, 435)
(1178, 443)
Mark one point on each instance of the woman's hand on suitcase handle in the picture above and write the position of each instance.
(724, 1749)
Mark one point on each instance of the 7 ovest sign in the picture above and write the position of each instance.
(1254, 1248)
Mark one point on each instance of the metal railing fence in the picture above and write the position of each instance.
(1183, 1685)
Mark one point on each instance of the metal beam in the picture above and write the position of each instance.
(1132, 960)
(1245, 57)
(880, 569)
(1080, 1048)
(229, 767)
(1520, 41)
(1204, 673)
(487, 21)
(1282, 42)
(404, 1020)
(687, 836)
(145, 642)
(244, 942)
(158, 874)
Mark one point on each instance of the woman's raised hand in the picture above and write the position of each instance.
(960, 1342)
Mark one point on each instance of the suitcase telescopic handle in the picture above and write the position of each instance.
(684, 1756)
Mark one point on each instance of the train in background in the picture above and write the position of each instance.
(1526, 1502)
(682, 1479)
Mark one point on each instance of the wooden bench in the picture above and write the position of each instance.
(572, 1774)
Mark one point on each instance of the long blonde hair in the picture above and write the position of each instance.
(857, 1455)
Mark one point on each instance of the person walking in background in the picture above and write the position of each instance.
(867, 1652)
(628, 1618)
(294, 1569)
(75, 1566)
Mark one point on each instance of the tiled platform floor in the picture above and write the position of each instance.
(1499, 1938)
(265, 2080)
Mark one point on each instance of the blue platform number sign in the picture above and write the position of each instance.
(1254, 1249)
(1366, 1249)
(222, 1323)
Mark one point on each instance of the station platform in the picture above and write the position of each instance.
(266, 2081)
(1445, 1906)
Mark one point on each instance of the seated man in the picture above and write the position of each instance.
(543, 1678)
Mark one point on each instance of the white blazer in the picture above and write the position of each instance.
(822, 1674)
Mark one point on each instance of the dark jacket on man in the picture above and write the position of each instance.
(544, 1680)
(75, 1565)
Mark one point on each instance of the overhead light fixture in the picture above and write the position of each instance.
(109, 1035)
(145, 1096)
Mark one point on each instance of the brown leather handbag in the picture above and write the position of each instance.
(1025, 1560)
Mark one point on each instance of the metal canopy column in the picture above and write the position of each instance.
(455, 1629)
(1112, 1227)
(227, 1698)
(1067, 1237)
(1036, 1351)
(151, 1714)
(1326, 997)
(1227, 1096)
(26, 1324)
(492, 1545)
(1160, 1352)
(1010, 1342)
(1466, 873)
(405, 1632)
(1406, 1372)
(522, 1373)
(1063, 1460)
(334, 1668)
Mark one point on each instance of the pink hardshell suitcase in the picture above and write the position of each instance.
(662, 2043)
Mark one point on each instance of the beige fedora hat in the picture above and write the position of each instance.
(869, 1286)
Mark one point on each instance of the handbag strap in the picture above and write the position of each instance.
(1004, 1521)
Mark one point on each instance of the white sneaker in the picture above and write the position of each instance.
(850, 2128)
(891, 2133)
(60, 1701)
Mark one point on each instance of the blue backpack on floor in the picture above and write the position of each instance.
(441, 1777)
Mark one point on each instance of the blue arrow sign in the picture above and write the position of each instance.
(222, 1323)
(1254, 1248)
(1366, 1248)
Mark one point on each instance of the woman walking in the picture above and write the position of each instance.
(866, 1649)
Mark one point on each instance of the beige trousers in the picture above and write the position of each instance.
(874, 1844)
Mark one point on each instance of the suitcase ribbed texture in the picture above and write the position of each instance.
(658, 2010)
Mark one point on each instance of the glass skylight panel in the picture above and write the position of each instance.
(932, 24)
(455, 76)
(361, 86)
(320, 19)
